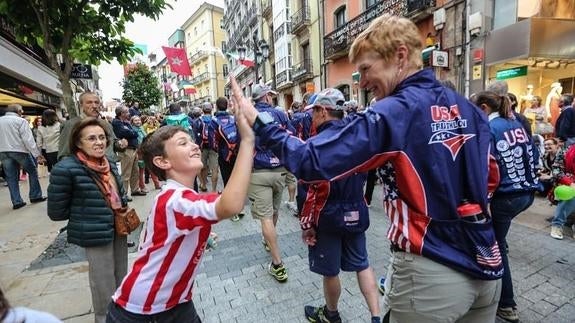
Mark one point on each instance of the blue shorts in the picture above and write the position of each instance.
(333, 252)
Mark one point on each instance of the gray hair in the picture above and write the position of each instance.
(16, 108)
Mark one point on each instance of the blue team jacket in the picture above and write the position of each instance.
(433, 149)
(264, 158)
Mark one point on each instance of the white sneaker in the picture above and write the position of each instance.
(557, 232)
(292, 206)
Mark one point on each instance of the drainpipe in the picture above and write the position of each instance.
(467, 47)
(323, 69)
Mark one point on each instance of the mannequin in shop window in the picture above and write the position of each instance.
(538, 117)
(525, 100)
(552, 102)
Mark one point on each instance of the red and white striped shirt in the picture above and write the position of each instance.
(170, 251)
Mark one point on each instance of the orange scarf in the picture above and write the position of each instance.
(101, 167)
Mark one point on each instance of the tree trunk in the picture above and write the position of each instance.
(68, 96)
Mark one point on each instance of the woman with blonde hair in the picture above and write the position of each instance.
(432, 146)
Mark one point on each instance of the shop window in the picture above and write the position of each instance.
(369, 3)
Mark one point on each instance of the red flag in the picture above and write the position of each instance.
(190, 90)
(177, 60)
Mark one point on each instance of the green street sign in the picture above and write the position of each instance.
(511, 73)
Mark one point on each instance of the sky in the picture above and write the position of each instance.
(152, 33)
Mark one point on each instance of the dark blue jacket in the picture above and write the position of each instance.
(515, 154)
(338, 206)
(74, 196)
(433, 147)
(223, 118)
(264, 157)
(124, 130)
(565, 124)
(301, 122)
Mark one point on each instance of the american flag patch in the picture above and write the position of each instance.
(489, 256)
(351, 216)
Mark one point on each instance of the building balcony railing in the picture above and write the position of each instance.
(267, 9)
(300, 20)
(419, 9)
(283, 79)
(336, 43)
(198, 56)
(201, 78)
(302, 71)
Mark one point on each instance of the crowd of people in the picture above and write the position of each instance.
(449, 218)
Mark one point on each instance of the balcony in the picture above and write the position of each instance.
(302, 71)
(283, 29)
(300, 20)
(198, 56)
(336, 43)
(200, 78)
(283, 80)
(267, 9)
(418, 10)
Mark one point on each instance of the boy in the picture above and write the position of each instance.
(334, 219)
(159, 286)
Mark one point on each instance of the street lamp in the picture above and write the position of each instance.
(261, 50)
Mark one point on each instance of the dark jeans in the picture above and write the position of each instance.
(12, 162)
(503, 209)
(185, 312)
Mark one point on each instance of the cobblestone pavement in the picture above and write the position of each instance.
(233, 284)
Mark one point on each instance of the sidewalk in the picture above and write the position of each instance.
(233, 284)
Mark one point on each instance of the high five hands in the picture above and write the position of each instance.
(243, 109)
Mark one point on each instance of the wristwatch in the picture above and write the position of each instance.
(263, 119)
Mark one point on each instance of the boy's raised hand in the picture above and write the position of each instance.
(242, 106)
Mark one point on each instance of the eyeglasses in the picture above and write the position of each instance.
(94, 139)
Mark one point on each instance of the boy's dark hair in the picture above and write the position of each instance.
(86, 122)
(222, 104)
(154, 145)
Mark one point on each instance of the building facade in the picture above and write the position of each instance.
(204, 38)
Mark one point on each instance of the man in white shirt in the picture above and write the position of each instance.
(18, 150)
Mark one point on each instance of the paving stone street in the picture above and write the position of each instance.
(40, 270)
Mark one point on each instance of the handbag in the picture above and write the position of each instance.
(126, 219)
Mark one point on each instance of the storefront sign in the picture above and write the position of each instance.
(511, 73)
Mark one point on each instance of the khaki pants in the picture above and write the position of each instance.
(265, 192)
(418, 289)
(130, 175)
(107, 266)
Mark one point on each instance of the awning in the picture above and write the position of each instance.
(31, 106)
(531, 38)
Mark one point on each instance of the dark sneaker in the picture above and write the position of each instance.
(279, 273)
(319, 315)
(18, 206)
(139, 193)
(38, 200)
(508, 314)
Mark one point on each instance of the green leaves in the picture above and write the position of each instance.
(140, 84)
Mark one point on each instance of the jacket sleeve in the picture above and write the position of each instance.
(313, 160)
(59, 193)
(121, 132)
(28, 139)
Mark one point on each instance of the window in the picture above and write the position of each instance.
(345, 90)
(369, 3)
(224, 46)
(225, 70)
(339, 17)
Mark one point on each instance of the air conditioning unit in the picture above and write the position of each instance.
(475, 23)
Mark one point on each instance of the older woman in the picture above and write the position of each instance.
(74, 195)
(432, 145)
(514, 152)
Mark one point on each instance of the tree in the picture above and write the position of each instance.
(140, 84)
(88, 31)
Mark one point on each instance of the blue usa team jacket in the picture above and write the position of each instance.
(433, 149)
(264, 158)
